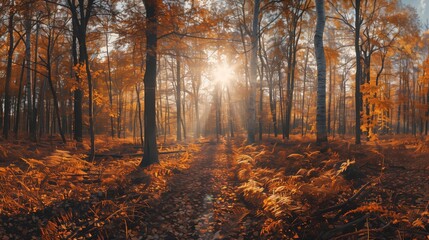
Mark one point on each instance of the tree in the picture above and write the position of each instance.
(150, 149)
(251, 124)
(7, 103)
(295, 11)
(321, 73)
(28, 26)
(358, 78)
(178, 97)
(81, 14)
(51, 38)
(109, 82)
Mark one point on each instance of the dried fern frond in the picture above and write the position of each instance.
(345, 165)
(271, 226)
(312, 155)
(302, 172)
(253, 192)
(295, 156)
(245, 173)
(370, 207)
(246, 159)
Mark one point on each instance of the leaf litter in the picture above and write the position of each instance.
(230, 190)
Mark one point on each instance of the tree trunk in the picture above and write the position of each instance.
(329, 129)
(217, 97)
(281, 100)
(1, 111)
(178, 99)
(7, 103)
(398, 124)
(18, 102)
(124, 120)
(358, 78)
(120, 113)
(41, 115)
(294, 36)
(150, 152)
(77, 98)
(230, 119)
(195, 87)
(51, 85)
(81, 14)
(90, 109)
(109, 86)
(251, 124)
(261, 95)
(321, 73)
(30, 119)
(167, 107)
(159, 112)
(140, 114)
(36, 58)
(183, 115)
(303, 91)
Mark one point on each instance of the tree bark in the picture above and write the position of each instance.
(41, 102)
(18, 102)
(51, 86)
(139, 114)
(120, 113)
(261, 92)
(321, 73)
(251, 123)
(35, 64)
(230, 116)
(77, 93)
(358, 78)
(195, 87)
(150, 152)
(217, 97)
(178, 99)
(81, 14)
(28, 26)
(109, 86)
(303, 92)
(183, 112)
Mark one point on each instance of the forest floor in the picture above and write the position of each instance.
(217, 190)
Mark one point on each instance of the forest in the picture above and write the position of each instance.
(214, 119)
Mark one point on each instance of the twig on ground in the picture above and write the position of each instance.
(341, 205)
(381, 229)
(342, 228)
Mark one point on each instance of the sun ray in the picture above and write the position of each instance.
(223, 73)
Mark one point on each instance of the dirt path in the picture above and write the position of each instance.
(199, 200)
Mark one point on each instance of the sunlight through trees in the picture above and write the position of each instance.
(249, 119)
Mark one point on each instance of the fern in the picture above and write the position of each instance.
(271, 226)
(253, 192)
(245, 173)
(278, 205)
(419, 223)
(245, 159)
(370, 207)
(345, 165)
(295, 156)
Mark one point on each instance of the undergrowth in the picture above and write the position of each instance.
(315, 193)
(64, 196)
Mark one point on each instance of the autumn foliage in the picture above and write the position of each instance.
(125, 119)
